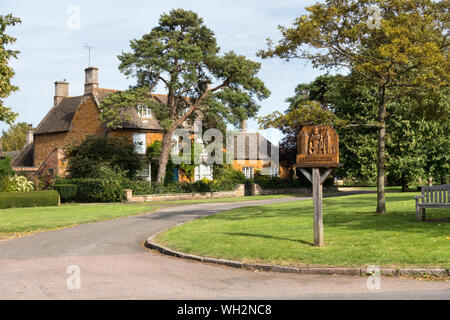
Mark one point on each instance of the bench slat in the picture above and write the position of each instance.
(431, 205)
(436, 194)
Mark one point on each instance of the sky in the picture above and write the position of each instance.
(52, 41)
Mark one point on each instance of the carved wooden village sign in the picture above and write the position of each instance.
(317, 147)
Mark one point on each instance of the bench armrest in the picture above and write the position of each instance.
(418, 197)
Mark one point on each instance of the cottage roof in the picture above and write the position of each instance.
(60, 117)
(24, 158)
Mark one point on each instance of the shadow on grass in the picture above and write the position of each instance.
(357, 213)
(265, 236)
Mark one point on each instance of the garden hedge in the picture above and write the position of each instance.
(66, 191)
(94, 190)
(29, 199)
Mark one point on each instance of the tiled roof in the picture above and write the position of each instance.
(59, 118)
(25, 157)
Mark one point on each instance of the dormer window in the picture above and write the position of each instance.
(144, 111)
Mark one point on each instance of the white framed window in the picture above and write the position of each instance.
(203, 171)
(273, 171)
(249, 172)
(139, 141)
(144, 111)
(146, 174)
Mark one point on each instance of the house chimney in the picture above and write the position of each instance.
(91, 81)
(61, 91)
(30, 134)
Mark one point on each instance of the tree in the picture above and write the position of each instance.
(87, 158)
(416, 145)
(400, 46)
(6, 72)
(15, 138)
(181, 54)
(310, 105)
(113, 108)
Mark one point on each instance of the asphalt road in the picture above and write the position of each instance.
(113, 264)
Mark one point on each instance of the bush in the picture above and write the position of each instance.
(94, 190)
(29, 199)
(5, 172)
(18, 183)
(227, 173)
(98, 190)
(142, 187)
(267, 182)
(88, 158)
(66, 191)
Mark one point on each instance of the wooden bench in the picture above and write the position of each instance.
(432, 197)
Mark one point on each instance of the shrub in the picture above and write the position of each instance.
(29, 199)
(20, 184)
(98, 190)
(5, 167)
(66, 191)
(142, 187)
(267, 182)
(88, 158)
(46, 180)
(227, 173)
(5, 172)
(94, 190)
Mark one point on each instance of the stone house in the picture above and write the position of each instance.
(72, 118)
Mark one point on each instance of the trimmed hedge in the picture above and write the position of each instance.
(143, 187)
(98, 190)
(29, 199)
(94, 190)
(267, 182)
(66, 191)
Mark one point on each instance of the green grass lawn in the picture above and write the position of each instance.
(21, 221)
(388, 189)
(354, 234)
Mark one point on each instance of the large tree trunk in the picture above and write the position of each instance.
(1, 149)
(164, 156)
(381, 155)
(404, 184)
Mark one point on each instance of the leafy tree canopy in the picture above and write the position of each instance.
(404, 52)
(15, 137)
(182, 55)
(6, 72)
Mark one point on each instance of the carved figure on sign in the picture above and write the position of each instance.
(318, 146)
(315, 141)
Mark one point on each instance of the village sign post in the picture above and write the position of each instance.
(317, 148)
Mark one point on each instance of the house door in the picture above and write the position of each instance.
(175, 175)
